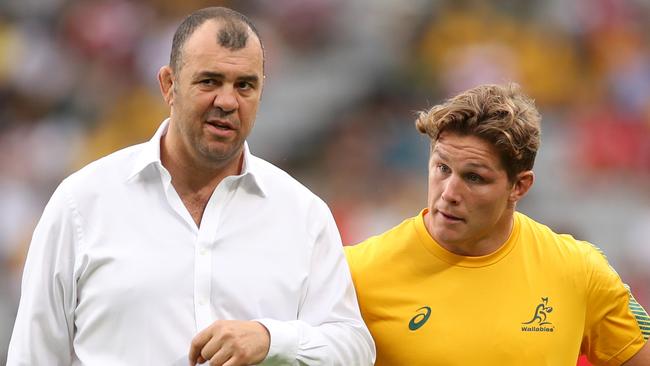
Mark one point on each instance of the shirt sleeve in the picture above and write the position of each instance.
(614, 319)
(329, 329)
(43, 330)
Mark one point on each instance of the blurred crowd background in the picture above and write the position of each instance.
(344, 82)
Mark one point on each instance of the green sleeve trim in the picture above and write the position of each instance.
(641, 316)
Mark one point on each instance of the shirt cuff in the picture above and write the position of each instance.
(283, 347)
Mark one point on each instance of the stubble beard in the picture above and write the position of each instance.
(218, 156)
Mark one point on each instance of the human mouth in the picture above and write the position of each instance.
(449, 217)
(220, 129)
(221, 124)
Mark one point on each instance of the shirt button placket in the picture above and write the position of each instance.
(202, 276)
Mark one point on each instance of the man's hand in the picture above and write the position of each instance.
(231, 343)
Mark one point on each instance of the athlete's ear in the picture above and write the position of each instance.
(166, 84)
(520, 187)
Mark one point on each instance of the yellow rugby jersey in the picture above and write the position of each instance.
(541, 299)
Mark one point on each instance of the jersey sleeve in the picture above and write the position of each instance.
(616, 326)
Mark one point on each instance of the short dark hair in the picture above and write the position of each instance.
(500, 114)
(232, 35)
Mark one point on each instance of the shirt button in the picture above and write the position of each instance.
(203, 252)
(202, 302)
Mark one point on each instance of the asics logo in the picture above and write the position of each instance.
(420, 318)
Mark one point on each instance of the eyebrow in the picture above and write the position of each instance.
(220, 76)
(479, 166)
(249, 78)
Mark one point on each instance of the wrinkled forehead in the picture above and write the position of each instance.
(203, 52)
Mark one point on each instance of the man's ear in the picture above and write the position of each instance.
(166, 83)
(523, 182)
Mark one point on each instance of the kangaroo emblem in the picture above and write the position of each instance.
(540, 313)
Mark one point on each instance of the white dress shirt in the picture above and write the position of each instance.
(118, 273)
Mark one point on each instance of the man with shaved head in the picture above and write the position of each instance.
(189, 249)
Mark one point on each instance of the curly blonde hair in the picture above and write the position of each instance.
(499, 114)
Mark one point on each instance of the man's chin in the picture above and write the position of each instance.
(222, 153)
(446, 236)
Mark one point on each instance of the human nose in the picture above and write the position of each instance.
(451, 190)
(226, 99)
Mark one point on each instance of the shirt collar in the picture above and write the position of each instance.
(250, 167)
(150, 155)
